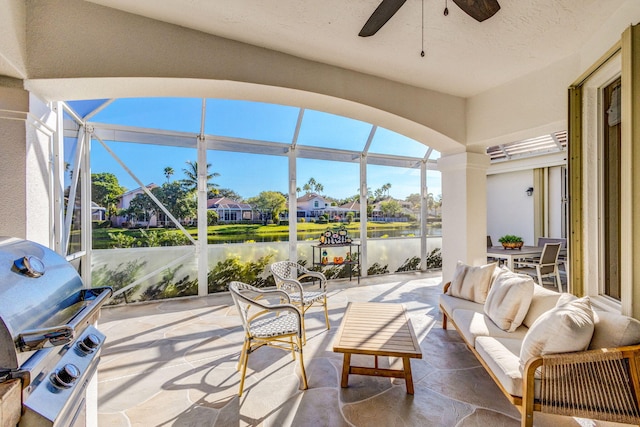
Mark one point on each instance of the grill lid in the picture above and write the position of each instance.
(42, 300)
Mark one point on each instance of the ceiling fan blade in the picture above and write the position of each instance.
(479, 9)
(380, 16)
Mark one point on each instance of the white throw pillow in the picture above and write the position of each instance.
(509, 299)
(614, 330)
(566, 328)
(471, 283)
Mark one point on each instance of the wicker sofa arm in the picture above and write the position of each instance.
(602, 384)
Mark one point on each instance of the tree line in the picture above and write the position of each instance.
(179, 197)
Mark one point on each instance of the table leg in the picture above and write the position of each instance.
(408, 378)
(346, 363)
(510, 263)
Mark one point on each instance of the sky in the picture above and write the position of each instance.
(249, 174)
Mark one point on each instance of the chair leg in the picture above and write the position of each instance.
(558, 281)
(539, 276)
(304, 331)
(244, 371)
(293, 348)
(243, 353)
(326, 313)
(302, 370)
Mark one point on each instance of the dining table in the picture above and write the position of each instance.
(510, 255)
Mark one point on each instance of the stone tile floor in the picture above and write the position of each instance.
(173, 363)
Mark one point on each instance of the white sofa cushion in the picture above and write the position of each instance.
(473, 324)
(543, 300)
(566, 328)
(614, 330)
(509, 299)
(502, 356)
(450, 304)
(471, 283)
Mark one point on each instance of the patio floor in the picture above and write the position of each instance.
(173, 363)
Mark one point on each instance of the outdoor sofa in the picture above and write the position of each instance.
(546, 351)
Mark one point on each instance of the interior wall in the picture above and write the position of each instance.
(509, 209)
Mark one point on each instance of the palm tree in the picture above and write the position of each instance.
(190, 183)
(385, 188)
(168, 171)
(310, 185)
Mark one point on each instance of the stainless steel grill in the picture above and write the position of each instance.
(47, 337)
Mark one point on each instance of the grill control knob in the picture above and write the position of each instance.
(89, 343)
(66, 376)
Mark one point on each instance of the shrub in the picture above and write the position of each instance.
(410, 264)
(434, 259)
(349, 217)
(121, 240)
(510, 238)
(212, 217)
(377, 269)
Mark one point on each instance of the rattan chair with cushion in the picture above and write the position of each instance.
(546, 266)
(298, 282)
(267, 321)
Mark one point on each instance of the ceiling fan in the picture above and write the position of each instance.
(477, 9)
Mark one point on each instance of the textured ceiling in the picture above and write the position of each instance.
(463, 57)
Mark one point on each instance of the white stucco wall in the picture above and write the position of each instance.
(536, 104)
(122, 54)
(26, 128)
(14, 102)
(41, 125)
(509, 209)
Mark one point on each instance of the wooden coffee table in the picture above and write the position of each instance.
(377, 329)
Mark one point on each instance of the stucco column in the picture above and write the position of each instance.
(25, 164)
(464, 210)
(14, 105)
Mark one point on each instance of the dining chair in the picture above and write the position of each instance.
(290, 277)
(546, 266)
(267, 323)
(489, 258)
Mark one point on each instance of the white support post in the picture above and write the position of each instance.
(424, 211)
(58, 181)
(201, 244)
(464, 211)
(293, 207)
(86, 225)
(77, 167)
(363, 216)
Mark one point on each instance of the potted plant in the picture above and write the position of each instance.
(509, 241)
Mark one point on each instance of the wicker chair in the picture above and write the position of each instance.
(275, 325)
(289, 277)
(546, 266)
